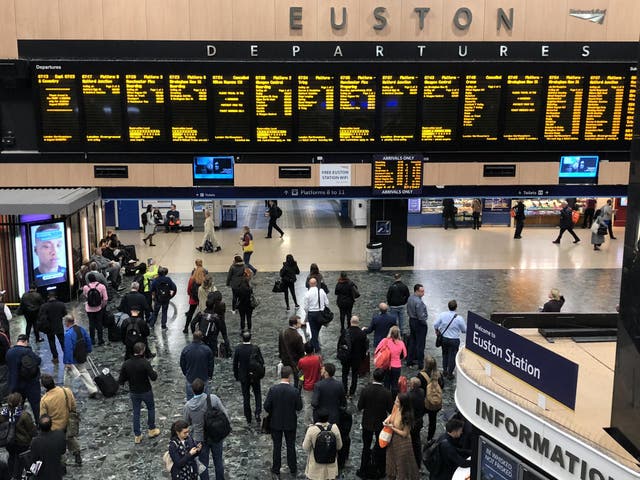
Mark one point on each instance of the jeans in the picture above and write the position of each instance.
(136, 400)
(345, 317)
(417, 339)
(399, 311)
(391, 378)
(156, 309)
(450, 348)
(189, 391)
(314, 322)
(290, 438)
(610, 228)
(379, 454)
(95, 323)
(353, 366)
(246, 388)
(52, 343)
(218, 462)
(246, 256)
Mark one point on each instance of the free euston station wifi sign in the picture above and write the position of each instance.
(541, 368)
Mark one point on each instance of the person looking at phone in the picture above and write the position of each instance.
(183, 452)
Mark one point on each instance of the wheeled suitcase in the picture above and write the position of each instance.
(107, 385)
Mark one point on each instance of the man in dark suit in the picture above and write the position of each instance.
(48, 447)
(248, 379)
(282, 403)
(380, 324)
(291, 347)
(357, 352)
(451, 455)
(50, 323)
(376, 403)
(328, 394)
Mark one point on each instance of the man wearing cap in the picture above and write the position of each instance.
(24, 375)
(48, 249)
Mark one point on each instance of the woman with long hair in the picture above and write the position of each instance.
(149, 226)
(401, 463)
(314, 272)
(196, 279)
(398, 351)
(428, 374)
(246, 242)
(183, 451)
(244, 300)
(346, 292)
(205, 289)
(288, 278)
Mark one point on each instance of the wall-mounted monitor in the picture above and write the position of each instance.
(48, 253)
(578, 169)
(213, 170)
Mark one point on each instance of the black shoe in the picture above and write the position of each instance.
(184, 330)
(613, 238)
(267, 237)
(38, 340)
(199, 249)
(258, 419)
(78, 458)
(101, 343)
(164, 327)
(282, 235)
(576, 241)
(556, 241)
(218, 249)
(152, 244)
(297, 306)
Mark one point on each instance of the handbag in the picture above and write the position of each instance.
(73, 424)
(253, 301)
(439, 334)
(382, 356)
(326, 315)
(277, 287)
(365, 365)
(385, 436)
(266, 424)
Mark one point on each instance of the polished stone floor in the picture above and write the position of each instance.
(106, 435)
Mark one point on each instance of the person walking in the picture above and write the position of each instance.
(290, 346)
(139, 373)
(77, 345)
(24, 373)
(211, 322)
(451, 456)
(518, 216)
(282, 404)
(381, 324)
(196, 361)
(247, 248)
(133, 330)
(417, 397)
(24, 431)
(607, 216)
(328, 395)
(48, 447)
(50, 322)
(418, 327)
(566, 223)
(162, 290)
(30, 304)
(245, 305)
(205, 289)
(589, 211)
(57, 403)
(248, 369)
(234, 278)
(355, 343)
(209, 241)
(397, 297)
(398, 351)
(428, 375)
(375, 403)
(148, 226)
(450, 325)
(598, 232)
(193, 285)
(400, 459)
(316, 468)
(555, 303)
(183, 452)
(346, 292)
(97, 298)
(476, 209)
(288, 276)
(310, 367)
(315, 300)
(314, 272)
(274, 212)
(194, 414)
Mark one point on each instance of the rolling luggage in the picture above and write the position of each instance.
(107, 385)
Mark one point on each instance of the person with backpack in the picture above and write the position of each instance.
(148, 225)
(134, 329)
(274, 212)
(183, 452)
(97, 298)
(449, 326)
(322, 443)
(352, 348)
(288, 276)
(400, 462)
(162, 290)
(24, 373)
(205, 289)
(211, 322)
(20, 431)
(77, 346)
(346, 292)
(193, 285)
(417, 396)
(432, 384)
(450, 457)
(196, 361)
(209, 421)
(248, 369)
(30, 304)
(51, 323)
(139, 373)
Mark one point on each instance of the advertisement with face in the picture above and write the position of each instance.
(49, 254)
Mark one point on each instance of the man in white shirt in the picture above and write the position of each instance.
(314, 302)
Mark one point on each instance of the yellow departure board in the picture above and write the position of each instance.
(523, 107)
(604, 115)
(230, 95)
(631, 109)
(274, 108)
(145, 107)
(60, 119)
(440, 106)
(398, 108)
(564, 107)
(188, 100)
(316, 108)
(101, 95)
(357, 108)
(481, 107)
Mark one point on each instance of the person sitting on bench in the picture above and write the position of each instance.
(173, 219)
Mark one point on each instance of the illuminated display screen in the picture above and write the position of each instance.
(145, 107)
(344, 108)
(213, 169)
(274, 108)
(316, 108)
(60, 118)
(397, 174)
(578, 167)
(357, 108)
(49, 254)
(101, 95)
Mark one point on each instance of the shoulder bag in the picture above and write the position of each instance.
(73, 423)
(326, 315)
(439, 334)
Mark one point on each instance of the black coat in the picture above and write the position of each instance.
(288, 272)
(398, 294)
(243, 291)
(30, 303)
(282, 403)
(241, 358)
(344, 292)
(566, 220)
(134, 300)
(328, 394)
(50, 316)
(450, 457)
(234, 276)
(359, 344)
(376, 403)
(553, 305)
(48, 447)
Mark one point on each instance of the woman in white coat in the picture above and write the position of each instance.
(209, 235)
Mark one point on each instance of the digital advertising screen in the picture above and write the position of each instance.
(48, 253)
(217, 170)
(578, 166)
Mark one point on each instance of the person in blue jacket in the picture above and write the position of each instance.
(24, 376)
(72, 364)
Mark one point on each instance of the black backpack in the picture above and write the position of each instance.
(278, 212)
(344, 346)
(132, 334)
(326, 448)
(80, 350)
(28, 367)
(216, 424)
(256, 364)
(209, 324)
(431, 457)
(94, 298)
(8, 431)
(143, 218)
(164, 291)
